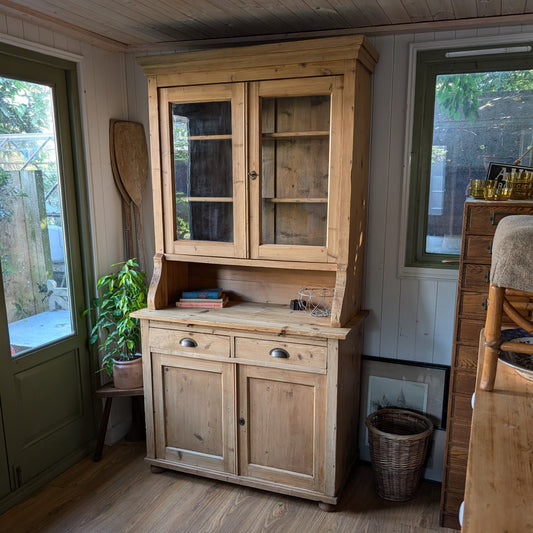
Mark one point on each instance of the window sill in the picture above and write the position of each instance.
(438, 274)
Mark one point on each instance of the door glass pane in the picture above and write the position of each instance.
(32, 244)
(295, 169)
(203, 172)
(479, 117)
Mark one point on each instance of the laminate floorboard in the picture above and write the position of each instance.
(120, 494)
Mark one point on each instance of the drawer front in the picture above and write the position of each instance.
(189, 342)
(273, 351)
(461, 409)
(457, 460)
(468, 331)
(478, 249)
(463, 381)
(466, 358)
(460, 434)
(475, 277)
(473, 304)
(483, 219)
(452, 502)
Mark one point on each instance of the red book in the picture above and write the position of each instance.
(203, 303)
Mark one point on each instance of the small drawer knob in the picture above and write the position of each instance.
(187, 342)
(279, 353)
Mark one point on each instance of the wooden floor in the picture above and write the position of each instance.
(120, 494)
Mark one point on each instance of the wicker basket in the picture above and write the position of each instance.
(398, 442)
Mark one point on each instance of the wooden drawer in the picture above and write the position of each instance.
(468, 331)
(463, 381)
(473, 304)
(466, 358)
(475, 277)
(274, 351)
(461, 409)
(459, 434)
(188, 342)
(452, 502)
(450, 520)
(457, 459)
(477, 249)
(483, 219)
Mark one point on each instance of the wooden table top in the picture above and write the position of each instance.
(499, 482)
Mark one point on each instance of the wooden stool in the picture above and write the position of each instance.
(109, 392)
(510, 290)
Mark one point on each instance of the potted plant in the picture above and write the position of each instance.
(119, 334)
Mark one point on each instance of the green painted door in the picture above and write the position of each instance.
(45, 375)
(5, 486)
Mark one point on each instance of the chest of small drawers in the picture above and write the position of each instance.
(479, 224)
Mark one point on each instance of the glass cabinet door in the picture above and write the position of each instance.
(292, 158)
(202, 157)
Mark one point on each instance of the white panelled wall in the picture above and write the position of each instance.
(411, 318)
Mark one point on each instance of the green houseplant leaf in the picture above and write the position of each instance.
(118, 334)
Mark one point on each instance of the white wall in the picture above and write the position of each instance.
(411, 318)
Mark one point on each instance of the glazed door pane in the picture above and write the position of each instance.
(203, 150)
(295, 169)
(203, 180)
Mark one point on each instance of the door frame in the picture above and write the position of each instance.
(16, 64)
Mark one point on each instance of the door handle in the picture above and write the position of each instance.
(188, 343)
(279, 353)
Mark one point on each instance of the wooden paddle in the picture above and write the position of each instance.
(130, 153)
(126, 200)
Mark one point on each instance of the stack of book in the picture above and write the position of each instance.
(203, 298)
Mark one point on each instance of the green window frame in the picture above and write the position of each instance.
(430, 64)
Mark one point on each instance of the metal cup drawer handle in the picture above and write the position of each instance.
(188, 343)
(279, 353)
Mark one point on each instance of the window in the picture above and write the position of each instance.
(472, 106)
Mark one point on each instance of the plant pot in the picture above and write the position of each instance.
(128, 374)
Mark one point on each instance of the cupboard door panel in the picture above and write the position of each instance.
(194, 421)
(282, 417)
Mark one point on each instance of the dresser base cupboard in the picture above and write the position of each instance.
(259, 161)
(270, 406)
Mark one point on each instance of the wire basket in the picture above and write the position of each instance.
(316, 300)
(398, 441)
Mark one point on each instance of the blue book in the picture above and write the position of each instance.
(210, 294)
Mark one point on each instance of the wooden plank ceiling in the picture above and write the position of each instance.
(138, 25)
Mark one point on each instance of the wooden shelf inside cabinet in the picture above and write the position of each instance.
(297, 200)
(291, 135)
(207, 199)
(224, 137)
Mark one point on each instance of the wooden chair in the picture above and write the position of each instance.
(510, 291)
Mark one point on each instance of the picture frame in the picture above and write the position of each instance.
(497, 171)
(409, 385)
